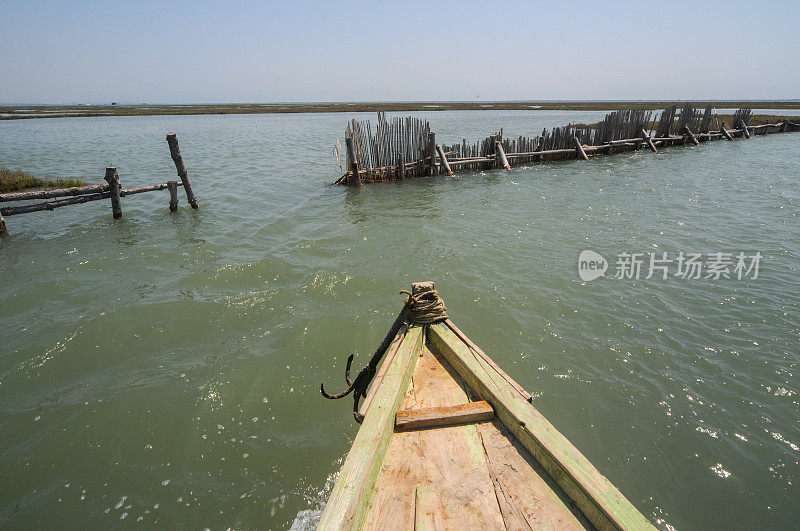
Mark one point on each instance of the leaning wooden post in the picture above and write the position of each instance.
(691, 135)
(355, 177)
(649, 140)
(112, 178)
(745, 130)
(444, 160)
(501, 154)
(725, 132)
(175, 152)
(173, 195)
(3, 231)
(579, 148)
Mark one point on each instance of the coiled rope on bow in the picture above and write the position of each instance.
(424, 306)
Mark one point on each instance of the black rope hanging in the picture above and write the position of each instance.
(423, 306)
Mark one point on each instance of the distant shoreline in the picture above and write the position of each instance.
(30, 111)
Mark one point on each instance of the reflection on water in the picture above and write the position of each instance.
(164, 369)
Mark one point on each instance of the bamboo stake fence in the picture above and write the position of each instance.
(111, 189)
(406, 147)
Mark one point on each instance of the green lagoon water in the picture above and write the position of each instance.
(164, 369)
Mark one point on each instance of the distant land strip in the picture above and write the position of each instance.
(30, 111)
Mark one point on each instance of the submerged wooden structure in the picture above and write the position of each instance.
(406, 147)
(450, 441)
(111, 189)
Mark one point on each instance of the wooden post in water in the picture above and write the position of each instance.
(112, 178)
(691, 135)
(3, 231)
(649, 140)
(355, 177)
(173, 195)
(400, 173)
(432, 153)
(175, 152)
(444, 160)
(492, 142)
(579, 148)
(725, 132)
(501, 154)
(783, 127)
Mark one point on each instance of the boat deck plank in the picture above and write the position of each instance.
(524, 485)
(450, 460)
(476, 475)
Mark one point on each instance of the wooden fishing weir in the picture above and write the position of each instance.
(406, 147)
(111, 189)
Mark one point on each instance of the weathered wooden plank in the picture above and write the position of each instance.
(409, 419)
(381, 374)
(428, 510)
(346, 507)
(457, 331)
(451, 458)
(531, 495)
(593, 493)
(512, 518)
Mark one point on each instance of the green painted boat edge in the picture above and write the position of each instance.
(597, 498)
(349, 501)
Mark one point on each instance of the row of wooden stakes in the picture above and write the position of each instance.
(111, 189)
(439, 161)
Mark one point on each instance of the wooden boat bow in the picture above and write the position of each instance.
(450, 441)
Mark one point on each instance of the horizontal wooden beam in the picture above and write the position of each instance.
(51, 205)
(143, 189)
(431, 417)
(58, 192)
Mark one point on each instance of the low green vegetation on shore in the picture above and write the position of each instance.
(18, 112)
(16, 180)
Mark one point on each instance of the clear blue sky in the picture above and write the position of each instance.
(174, 52)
